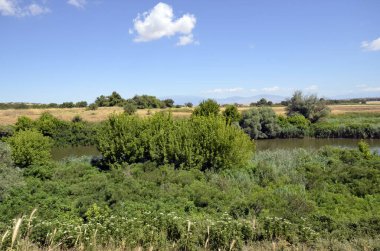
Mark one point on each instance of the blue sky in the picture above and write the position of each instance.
(71, 50)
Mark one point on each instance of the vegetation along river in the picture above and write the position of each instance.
(269, 144)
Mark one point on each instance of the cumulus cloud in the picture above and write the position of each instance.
(14, 8)
(185, 40)
(225, 90)
(77, 3)
(373, 45)
(160, 22)
(271, 89)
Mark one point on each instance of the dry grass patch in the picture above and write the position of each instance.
(8, 117)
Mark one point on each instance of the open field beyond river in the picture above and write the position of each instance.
(10, 116)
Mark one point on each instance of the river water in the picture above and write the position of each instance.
(261, 145)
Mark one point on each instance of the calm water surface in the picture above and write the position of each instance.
(269, 144)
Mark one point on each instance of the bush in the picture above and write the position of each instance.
(200, 142)
(29, 147)
(231, 114)
(189, 104)
(130, 108)
(6, 131)
(310, 107)
(24, 123)
(296, 126)
(9, 176)
(92, 107)
(207, 107)
(260, 123)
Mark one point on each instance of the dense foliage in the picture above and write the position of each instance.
(231, 114)
(75, 132)
(207, 107)
(140, 101)
(311, 107)
(10, 176)
(320, 198)
(30, 147)
(199, 142)
(260, 123)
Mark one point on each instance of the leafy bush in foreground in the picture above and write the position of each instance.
(200, 142)
(297, 197)
(30, 147)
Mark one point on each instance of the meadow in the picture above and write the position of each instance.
(10, 116)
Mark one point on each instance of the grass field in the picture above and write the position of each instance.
(10, 116)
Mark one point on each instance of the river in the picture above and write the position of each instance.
(261, 145)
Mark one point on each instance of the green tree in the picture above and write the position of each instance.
(232, 114)
(102, 101)
(30, 147)
(207, 107)
(311, 107)
(168, 102)
(81, 104)
(115, 99)
(130, 108)
(260, 123)
(189, 104)
(262, 102)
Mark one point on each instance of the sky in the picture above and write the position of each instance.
(72, 50)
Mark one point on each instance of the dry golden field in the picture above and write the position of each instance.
(10, 116)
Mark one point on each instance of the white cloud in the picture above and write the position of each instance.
(226, 90)
(160, 22)
(367, 88)
(8, 8)
(35, 9)
(13, 8)
(77, 3)
(253, 90)
(312, 88)
(185, 40)
(271, 89)
(371, 45)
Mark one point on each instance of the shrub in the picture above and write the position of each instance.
(6, 131)
(29, 147)
(130, 108)
(260, 123)
(207, 107)
(296, 126)
(9, 176)
(189, 104)
(200, 142)
(231, 114)
(92, 107)
(310, 107)
(24, 123)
